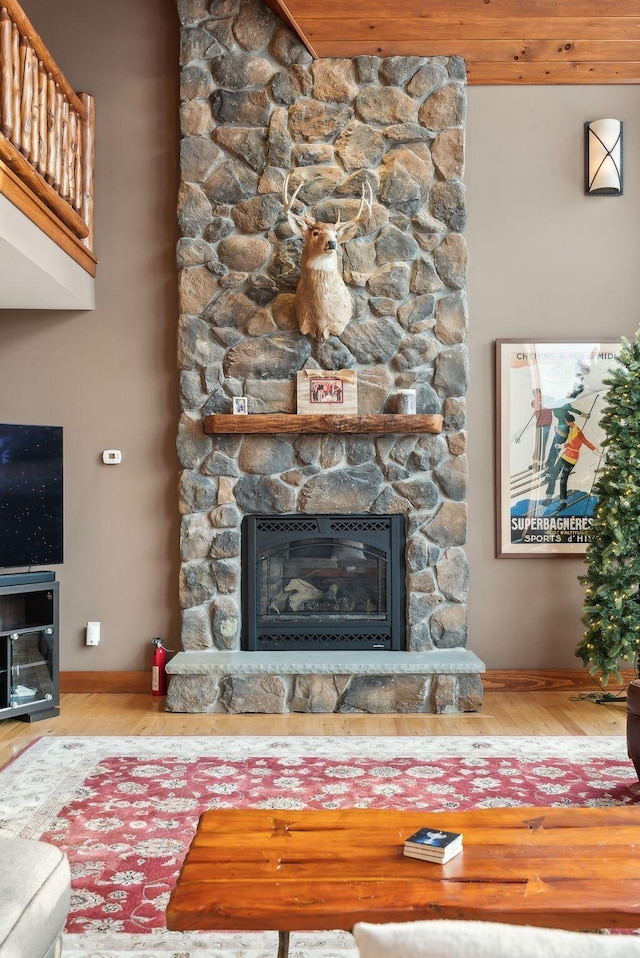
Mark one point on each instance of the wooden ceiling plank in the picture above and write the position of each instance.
(356, 9)
(488, 52)
(494, 74)
(504, 51)
(479, 28)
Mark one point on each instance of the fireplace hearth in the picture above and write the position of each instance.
(332, 582)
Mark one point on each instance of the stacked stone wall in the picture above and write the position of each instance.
(254, 108)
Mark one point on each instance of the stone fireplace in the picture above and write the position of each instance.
(323, 583)
(255, 108)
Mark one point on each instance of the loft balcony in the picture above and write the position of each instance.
(46, 176)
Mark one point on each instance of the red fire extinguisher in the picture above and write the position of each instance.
(158, 668)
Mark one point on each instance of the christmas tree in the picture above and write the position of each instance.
(612, 602)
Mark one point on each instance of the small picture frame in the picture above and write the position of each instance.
(327, 392)
(240, 406)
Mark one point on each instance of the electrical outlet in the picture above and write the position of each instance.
(93, 633)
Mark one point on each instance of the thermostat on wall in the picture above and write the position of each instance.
(112, 456)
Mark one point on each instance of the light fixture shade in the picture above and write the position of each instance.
(603, 157)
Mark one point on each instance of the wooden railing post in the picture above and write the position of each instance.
(6, 74)
(46, 129)
(87, 148)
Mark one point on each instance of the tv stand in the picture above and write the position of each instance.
(29, 646)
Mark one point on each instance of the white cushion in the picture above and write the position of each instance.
(483, 939)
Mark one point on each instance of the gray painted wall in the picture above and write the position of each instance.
(545, 261)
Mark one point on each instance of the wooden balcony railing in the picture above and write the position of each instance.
(46, 133)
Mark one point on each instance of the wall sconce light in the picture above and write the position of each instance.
(603, 158)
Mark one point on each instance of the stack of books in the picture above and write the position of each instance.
(433, 845)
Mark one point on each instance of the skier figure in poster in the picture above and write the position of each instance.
(567, 460)
(544, 417)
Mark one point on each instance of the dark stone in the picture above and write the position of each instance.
(230, 183)
(264, 495)
(252, 107)
(348, 490)
(279, 356)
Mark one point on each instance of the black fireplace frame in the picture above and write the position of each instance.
(383, 532)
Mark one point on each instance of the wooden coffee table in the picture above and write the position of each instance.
(246, 870)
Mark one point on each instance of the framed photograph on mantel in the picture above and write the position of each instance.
(327, 392)
(549, 451)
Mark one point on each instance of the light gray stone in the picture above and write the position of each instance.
(452, 319)
(379, 694)
(448, 204)
(385, 105)
(418, 309)
(421, 492)
(392, 245)
(286, 48)
(445, 107)
(266, 455)
(244, 107)
(225, 543)
(374, 384)
(225, 622)
(249, 693)
(245, 143)
(292, 84)
(359, 449)
(454, 414)
(194, 209)
(248, 252)
(449, 627)
(470, 693)
(198, 155)
(192, 693)
(196, 584)
(448, 153)
(197, 493)
(234, 71)
(451, 259)
(452, 371)
(397, 71)
(196, 118)
(415, 350)
(196, 629)
(354, 487)
(389, 503)
(334, 80)
(193, 252)
(190, 12)
(367, 68)
(196, 533)
(360, 146)
(427, 79)
(452, 571)
(226, 574)
(443, 694)
(274, 395)
(391, 280)
(264, 495)
(425, 278)
(453, 477)
(314, 693)
(372, 341)
(254, 25)
(192, 444)
(279, 356)
(313, 154)
(449, 525)
(217, 464)
(196, 83)
(427, 453)
(231, 182)
(279, 141)
(309, 120)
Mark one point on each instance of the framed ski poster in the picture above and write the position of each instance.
(549, 443)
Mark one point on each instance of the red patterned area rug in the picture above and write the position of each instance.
(126, 809)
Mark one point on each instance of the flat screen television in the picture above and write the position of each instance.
(31, 531)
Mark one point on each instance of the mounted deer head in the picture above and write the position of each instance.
(323, 303)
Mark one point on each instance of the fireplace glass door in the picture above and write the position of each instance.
(323, 582)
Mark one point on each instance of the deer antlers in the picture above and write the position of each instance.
(306, 222)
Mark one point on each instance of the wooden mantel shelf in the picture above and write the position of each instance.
(280, 423)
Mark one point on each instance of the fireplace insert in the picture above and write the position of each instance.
(333, 582)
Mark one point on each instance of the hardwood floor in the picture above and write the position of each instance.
(503, 713)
